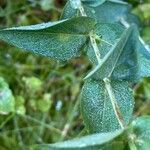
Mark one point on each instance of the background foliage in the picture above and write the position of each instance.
(46, 93)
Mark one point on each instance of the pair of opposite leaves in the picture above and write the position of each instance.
(65, 39)
(109, 12)
(125, 57)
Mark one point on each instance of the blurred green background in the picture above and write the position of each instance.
(46, 93)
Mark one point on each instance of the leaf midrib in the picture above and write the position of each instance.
(111, 51)
(129, 30)
(44, 32)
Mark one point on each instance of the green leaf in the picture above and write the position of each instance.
(108, 36)
(142, 47)
(143, 56)
(125, 56)
(119, 60)
(89, 142)
(109, 12)
(127, 67)
(93, 3)
(96, 106)
(61, 40)
(143, 66)
(7, 102)
(131, 19)
(141, 132)
(135, 59)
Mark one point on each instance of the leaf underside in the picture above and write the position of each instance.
(119, 60)
(120, 51)
(97, 109)
(61, 40)
(89, 142)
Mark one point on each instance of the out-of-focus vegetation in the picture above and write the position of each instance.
(46, 94)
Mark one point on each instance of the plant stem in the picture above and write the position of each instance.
(7, 120)
(83, 13)
(107, 81)
(132, 145)
(20, 140)
(114, 103)
(51, 128)
(92, 38)
(8, 9)
(68, 125)
(95, 48)
(41, 130)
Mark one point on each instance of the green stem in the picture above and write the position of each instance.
(20, 140)
(132, 145)
(92, 38)
(95, 48)
(7, 120)
(41, 130)
(107, 82)
(114, 103)
(83, 13)
(8, 18)
(70, 119)
(43, 124)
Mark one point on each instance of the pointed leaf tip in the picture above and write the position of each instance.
(88, 142)
(61, 40)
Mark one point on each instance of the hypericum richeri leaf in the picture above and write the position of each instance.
(60, 40)
(96, 107)
(89, 142)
